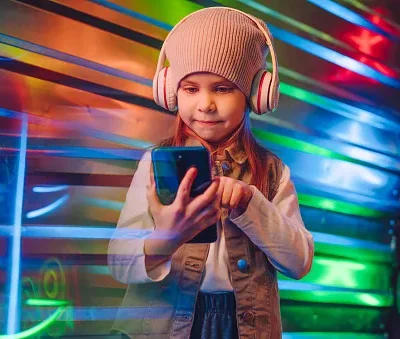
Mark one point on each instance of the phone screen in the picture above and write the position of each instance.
(170, 165)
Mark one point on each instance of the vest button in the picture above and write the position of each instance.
(249, 317)
(243, 266)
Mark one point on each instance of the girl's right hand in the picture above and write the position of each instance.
(186, 216)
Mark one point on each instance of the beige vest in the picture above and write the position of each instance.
(165, 309)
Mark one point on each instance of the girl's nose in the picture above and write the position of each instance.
(206, 104)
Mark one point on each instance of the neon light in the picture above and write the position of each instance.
(93, 232)
(36, 329)
(340, 108)
(339, 297)
(102, 203)
(377, 16)
(361, 156)
(290, 38)
(366, 41)
(49, 189)
(13, 318)
(47, 302)
(306, 28)
(29, 46)
(338, 206)
(331, 335)
(332, 56)
(348, 15)
(326, 238)
(133, 14)
(85, 130)
(45, 210)
(299, 145)
(328, 87)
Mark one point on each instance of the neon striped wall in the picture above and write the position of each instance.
(76, 111)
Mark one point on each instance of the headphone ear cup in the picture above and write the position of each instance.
(274, 94)
(163, 92)
(260, 92)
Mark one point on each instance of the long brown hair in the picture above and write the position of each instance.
(265, 167)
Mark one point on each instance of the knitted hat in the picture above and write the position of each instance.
(218, 41)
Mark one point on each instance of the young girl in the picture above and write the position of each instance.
(227, 289)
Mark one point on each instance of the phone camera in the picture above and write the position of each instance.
(179, 157)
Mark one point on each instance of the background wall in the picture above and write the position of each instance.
(76, 111)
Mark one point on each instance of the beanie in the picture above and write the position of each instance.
(219, 41)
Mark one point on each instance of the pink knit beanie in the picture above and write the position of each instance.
(219, 41)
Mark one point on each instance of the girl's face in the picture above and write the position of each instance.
(210, 105)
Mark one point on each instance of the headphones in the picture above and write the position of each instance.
(264, 95)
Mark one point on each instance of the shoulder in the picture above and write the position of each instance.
(275, 165)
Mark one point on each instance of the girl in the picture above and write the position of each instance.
(227, 289)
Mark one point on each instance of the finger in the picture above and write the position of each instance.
(152, 176)
(183, 194)
(205, 200)
(226, 194)
(237, 196)
(221, 186)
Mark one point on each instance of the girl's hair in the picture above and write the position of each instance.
(265, 167)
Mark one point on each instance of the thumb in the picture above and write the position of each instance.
(152, 196)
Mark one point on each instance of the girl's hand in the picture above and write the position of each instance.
(186, 216)
(235, 195)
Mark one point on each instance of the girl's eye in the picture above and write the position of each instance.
(223, 89)
(190, 89)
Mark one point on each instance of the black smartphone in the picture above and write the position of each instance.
(170, 165)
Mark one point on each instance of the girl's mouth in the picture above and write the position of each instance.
(208, 123)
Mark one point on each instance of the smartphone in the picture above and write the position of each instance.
(170, 165)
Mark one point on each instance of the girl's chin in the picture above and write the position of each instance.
(209, 138)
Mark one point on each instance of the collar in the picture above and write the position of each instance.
(234, 151)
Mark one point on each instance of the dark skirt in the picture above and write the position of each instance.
(215, 317)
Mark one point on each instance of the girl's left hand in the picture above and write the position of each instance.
(235, 195)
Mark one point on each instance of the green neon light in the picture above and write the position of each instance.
(38, 328)
(47, 302)
(290, 21)
(163, 11)
(333, 106)
(357, 253)
(338, 206)
(340, 297)
(347, 274)
(300, 145)
(336, 90)
(333, 335)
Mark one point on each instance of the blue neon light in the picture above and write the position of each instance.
(86, 130)
(13, 318)
(29, 46)
(49, 189)
(106, 232)
(103, 203)
(348, 15)
(45, 210)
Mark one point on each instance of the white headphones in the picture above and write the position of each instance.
(264, 95)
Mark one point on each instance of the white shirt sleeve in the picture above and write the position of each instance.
(126, 258)
(278, 230)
